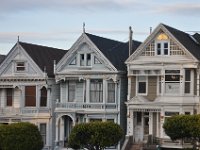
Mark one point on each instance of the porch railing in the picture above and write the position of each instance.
(22, 111)
(86, 106)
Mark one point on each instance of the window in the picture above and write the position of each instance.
(172, 82)
(111, 92)
(73, 62)
(187, 81)
(88, 60)
(96, 90)
(20, 66)
(43, 132)
(71, 91)
(43, 97)
(142, 84)
(9, 96)
(82, 62)
(162, 44)
(30, 96)
(96, 61)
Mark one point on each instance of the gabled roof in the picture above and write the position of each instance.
(115, 51)
(197, 37)
(186, 40)
(44, 56)
(2, 57)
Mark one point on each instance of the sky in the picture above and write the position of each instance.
(59, 23)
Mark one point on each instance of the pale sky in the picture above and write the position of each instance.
(58, 23)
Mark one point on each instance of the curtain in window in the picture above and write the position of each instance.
(96, 91)
(9, 96)
(111, 92)
(30, 96)
(71, 91)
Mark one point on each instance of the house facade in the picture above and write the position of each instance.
(163, 80)
(27, 87)
(93, 85)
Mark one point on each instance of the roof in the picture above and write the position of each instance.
(2, 57)
(116, 52)
(186, 40)
(44, 56)
(197, 37)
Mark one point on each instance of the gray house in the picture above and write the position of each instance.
(93, 84)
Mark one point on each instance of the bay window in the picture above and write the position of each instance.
(96, 90)
(142, 85)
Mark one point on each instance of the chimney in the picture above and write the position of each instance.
(150, 30)
(130, 41)
(54, 66)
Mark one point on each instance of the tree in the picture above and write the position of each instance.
(20, 136)
(183, 127)
(95, 135)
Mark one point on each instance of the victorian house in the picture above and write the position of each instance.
(27, 87)
(163, 80)
(93, 84)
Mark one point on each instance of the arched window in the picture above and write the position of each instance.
(162, 44)
(43, 97)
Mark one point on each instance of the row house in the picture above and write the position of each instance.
(93, 84)
(27, 87)
(163, 80)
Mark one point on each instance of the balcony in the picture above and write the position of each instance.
(86, 106)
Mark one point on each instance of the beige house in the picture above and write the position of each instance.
(163, 80)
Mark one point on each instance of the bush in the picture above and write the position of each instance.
(95, 135)
(20, 136)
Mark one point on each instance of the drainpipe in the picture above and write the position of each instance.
(130, 41)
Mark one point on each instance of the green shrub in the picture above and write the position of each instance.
(20, 136)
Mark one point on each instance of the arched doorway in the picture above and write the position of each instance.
(64, 127)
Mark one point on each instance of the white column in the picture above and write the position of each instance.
(104, 90)
(57, 126)
(197, 82)
(130, 118)
(129, 88)
(87, 90)
(61, 129)
(3, 98)
(162, 118)
(150, 123)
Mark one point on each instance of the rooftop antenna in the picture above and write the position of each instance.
(150, 30)
(130, 41)
(83, 27)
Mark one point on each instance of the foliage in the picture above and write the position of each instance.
(20, 136)
(95, 135)
(183, 127)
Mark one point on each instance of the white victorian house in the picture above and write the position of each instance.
(163, 80)
(27, 87)
(93, 84)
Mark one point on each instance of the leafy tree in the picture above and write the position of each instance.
(183, 127)
(95, 135)
(20, 136)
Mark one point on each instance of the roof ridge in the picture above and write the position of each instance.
(40, 45)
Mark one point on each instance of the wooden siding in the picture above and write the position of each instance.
(133, 86)
(152, 88)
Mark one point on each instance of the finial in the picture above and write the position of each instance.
(83, 27)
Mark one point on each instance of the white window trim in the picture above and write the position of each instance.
(191, 83)
(162, 47)
(85, 60)
(137, 86)
(25, 66)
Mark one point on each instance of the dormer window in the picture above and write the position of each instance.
(85, 59)
(20, 66)
(162, 44)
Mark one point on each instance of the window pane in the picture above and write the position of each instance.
(43, 97)
(187, 75)
(187, 87)
(82, 59)
(9, 94)
(142, 87)
(43, 132)
(158, 49)
(88, 59)
(111, 92)
(172, 78)
(20, 66)
(165, 48)
(71, 91)
(30, 96)
(96, 91)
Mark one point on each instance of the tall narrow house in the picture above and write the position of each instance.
(163, 80)
(93, 84)
(27, 87)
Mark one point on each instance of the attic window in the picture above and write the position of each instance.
(20, 66)
(162, 36)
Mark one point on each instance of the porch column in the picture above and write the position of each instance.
(3, 98)
(61, 129)
(104, 91)
(57, 126)
(150, 123)
(87, 90)
(158, 124)
(130, 122)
